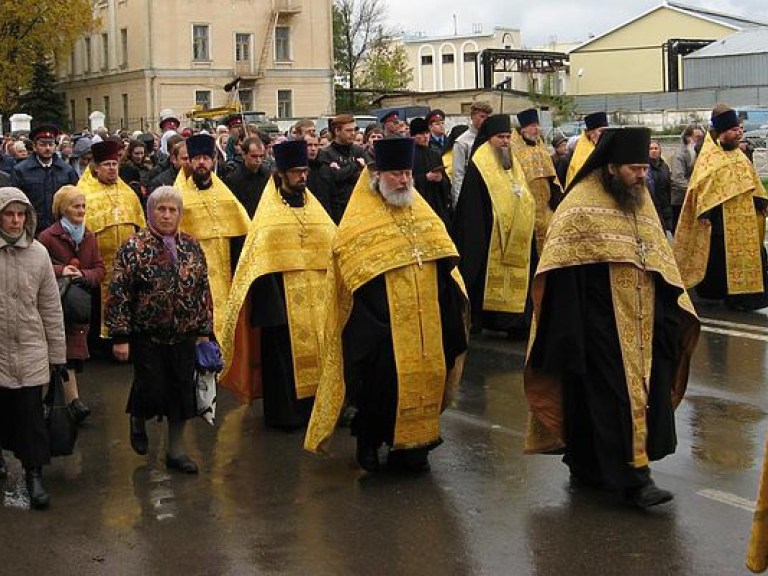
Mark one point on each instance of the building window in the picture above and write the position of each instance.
(447, 58)
(285, 104)
(106, 110)
(123, 46)
(203, 99)
(104, 51)
(246, 99)
(243, 47)
(282, 44)
(470, 56)
(200, 42)
(73, 114)
(87, 63)
(426, 60)
(124, 99)
(88, 108)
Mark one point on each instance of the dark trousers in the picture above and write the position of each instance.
(22, 425)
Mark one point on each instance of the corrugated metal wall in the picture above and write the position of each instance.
(699, 99)
(741, 70)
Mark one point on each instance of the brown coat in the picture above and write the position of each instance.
(63, 250)
(31, 321)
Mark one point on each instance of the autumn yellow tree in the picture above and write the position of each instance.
(34, 31)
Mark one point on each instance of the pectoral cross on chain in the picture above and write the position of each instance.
(642, 250)
(416, 253)
(116, 213)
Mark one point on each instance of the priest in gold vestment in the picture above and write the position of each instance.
(493, 228)
(396, 320)
(213, 215)
(720, 233)
(114, 211)
(594, 125)
(279, 287)
(614, 329)
(539, 170)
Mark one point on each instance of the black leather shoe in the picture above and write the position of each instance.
(181, 463)
(139, 440)
(3, 468)
(38, 497)
(414, 461)
(647, 495)
(367, 456)
(79, 410)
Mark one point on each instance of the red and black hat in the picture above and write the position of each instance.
(390, 116)
(44, 131)
(435, 115)
(233, 120)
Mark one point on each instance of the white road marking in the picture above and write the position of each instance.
(739, 325)
(728, 498)
(736, 333)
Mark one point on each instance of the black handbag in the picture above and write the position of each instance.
(62, 428)
(75, 301)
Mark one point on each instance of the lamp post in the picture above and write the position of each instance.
(579, 74)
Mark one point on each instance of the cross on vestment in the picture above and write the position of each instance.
(416, 253)
(642, 250)
(116, 213)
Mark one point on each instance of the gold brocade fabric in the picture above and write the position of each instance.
(297, 243)
(584, 148)
(589, 228)
(369, 242)
(539, 172)
(213, 216)
(113, 213)
(727, 179)
(509, 252)
(448, 163)
(633, 295)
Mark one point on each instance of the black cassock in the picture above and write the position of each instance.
(369, 359)
(576, 337)
(471, 232)
(437, 194)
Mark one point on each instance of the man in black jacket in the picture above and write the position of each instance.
(429, 176)
(42, 174)
(248, 179)
(340, 164)
(659, 182)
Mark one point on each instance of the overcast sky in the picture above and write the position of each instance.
(540, 20)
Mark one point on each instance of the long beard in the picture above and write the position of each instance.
(201, 180)
(392, 196)
(629, 198)
(505, 157)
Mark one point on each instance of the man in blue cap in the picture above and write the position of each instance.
(42, 174)
(275, 309)
(396, 310)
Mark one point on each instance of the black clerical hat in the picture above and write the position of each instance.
(105, 150)
(290, 154)
(201, 145)
(394, 154)
(622, 145)
(596, 120)
(419, 126)
(724, 121)
(496, 124)
(528, 117)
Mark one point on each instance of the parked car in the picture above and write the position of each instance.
(752, 117)
(757, 138)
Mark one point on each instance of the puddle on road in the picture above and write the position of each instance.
(725, 434)
(15, 494)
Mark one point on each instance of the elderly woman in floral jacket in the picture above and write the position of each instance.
(159, 307)
(32, 328)
(75, 254)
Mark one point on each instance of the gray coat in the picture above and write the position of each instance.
(31, 320)
(681, 170)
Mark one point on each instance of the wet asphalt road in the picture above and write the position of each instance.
(262, 506)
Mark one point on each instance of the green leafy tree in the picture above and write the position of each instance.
(42, 101)
(387, 68)
(31, 32)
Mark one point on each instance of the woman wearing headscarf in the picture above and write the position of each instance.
(75, 254)
(159, 307)
(33, 342)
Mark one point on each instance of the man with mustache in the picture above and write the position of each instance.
(395, 332)
(493, 229)
(720, 233)
(614, 329)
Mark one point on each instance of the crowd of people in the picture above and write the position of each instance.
(342, 275)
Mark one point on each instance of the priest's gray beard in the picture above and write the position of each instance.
(393, 196)
(629, 198)
(505, 157)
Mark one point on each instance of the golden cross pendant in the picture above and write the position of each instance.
(416, 253)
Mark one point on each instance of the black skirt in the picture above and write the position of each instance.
(22, 425)
(163, 379)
